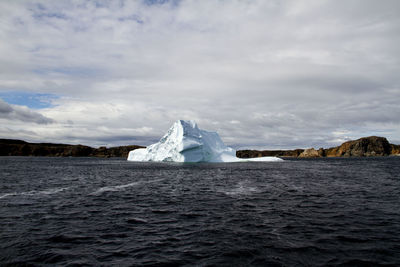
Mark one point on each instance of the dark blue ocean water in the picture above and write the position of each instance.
(102, 212)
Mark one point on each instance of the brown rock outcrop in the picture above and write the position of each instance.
(310, 153)
(363, 147)
(395, 150)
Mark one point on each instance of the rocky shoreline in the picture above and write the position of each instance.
(363, 147)
(372, 146)
(11, 147)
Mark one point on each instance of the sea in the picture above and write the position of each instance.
(111, 212)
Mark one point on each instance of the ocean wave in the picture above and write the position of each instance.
(242, 188)
(122, 187)
(49, 191)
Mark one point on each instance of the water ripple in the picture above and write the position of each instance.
(49, 191)
(122, 187)
(103, 212)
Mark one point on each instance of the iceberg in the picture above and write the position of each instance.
(185, 142)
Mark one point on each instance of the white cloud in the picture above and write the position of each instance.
(21, 114)
(291, 72)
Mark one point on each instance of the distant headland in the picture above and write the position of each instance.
(363, 147)
(11, 147)
(372, 146)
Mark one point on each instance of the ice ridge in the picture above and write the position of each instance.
(185, 142)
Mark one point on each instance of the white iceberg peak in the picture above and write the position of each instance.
(185, 142)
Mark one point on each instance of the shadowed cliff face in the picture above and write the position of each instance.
(268, 153)
(9, 147)
(363, 147)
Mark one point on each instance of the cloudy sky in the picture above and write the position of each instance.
(262, 73)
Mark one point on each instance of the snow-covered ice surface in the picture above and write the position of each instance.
(185, 142)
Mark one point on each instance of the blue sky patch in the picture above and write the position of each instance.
(41, 12)
(132, 17)
(161, 2)
(29, 99)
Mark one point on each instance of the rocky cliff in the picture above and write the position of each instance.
(363, 147)
(395, 150)
(268, 153)
(312, 153)
(10, 147)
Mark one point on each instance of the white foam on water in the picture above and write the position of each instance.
(242, 188)
(122, 187)
(49, 191)
(7, 195)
